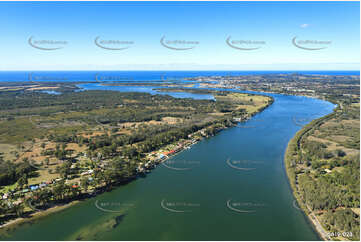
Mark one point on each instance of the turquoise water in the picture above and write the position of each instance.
(235, 189)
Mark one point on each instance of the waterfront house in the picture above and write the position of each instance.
(34, 187)
(42, 185)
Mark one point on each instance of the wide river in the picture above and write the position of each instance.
(232, 186)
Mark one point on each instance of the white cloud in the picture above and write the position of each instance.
(304, 25)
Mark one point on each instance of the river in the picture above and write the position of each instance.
(232, 186)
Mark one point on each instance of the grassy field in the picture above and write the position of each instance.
(91, 129)
(251, 103)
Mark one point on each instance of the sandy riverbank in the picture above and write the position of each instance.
(34, 216)
(302, 206)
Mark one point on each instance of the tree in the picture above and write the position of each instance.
(74, 191)
(65, 169)
(340, 153)
(23, 181)
(18, 209)
(84, 182)
(42, 196)
(3, 207)
(59, 190)
(47, 161)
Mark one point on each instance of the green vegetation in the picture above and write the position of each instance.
(60, 148)
(322, 160)
(323, 164)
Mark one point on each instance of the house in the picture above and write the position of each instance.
(34, 187)
(17, 202)
(88, 172)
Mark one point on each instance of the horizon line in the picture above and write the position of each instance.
(168, 70)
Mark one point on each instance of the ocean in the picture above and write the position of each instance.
(89, 76)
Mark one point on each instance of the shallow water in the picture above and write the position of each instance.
(146, 89)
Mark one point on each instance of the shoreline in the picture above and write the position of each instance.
(307, 212)
(57, 208)
(36, 215)
(311, 219)
(12, 224)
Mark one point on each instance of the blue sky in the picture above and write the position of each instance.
(273, 24)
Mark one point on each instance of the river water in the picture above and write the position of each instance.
(231, 186)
